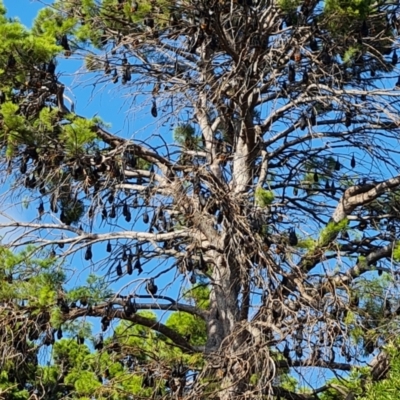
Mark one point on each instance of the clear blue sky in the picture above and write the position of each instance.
(25, 10)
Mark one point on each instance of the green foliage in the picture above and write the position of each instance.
(13, 125)
(331, 230)
(264, 197)
(50, 24)
(350, 54)
(386, 389)
(69, 351)
(340, 386)
(32, 47)
(200, 294)
(98, 288)
(361, 383)
(373, 291)
(41, 278)
(12, 121)
(396, 251)
(345, 15)
(348, 8)
(190, 326)
(185, 135)
(81, 292)
(78, 135)
(146, 7)
(143, 164)
(307, 243)
(362, 261)
(85, 382)
(10, 387)
(47, 120)
(288, 5)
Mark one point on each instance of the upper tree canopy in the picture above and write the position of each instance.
(266, 191)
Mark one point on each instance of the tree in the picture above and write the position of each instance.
(134, 360)
(275, 207)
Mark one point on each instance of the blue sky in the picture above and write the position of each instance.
(25, 10)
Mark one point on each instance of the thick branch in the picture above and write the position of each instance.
(353, 197)
(100, 311)
(286, 394)
(116, 141)
(315, 363)
(356, 196)
(173, 306)
(91, 237)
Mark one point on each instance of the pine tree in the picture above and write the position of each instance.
(277, 203)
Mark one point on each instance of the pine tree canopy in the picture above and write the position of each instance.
(237, 238)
